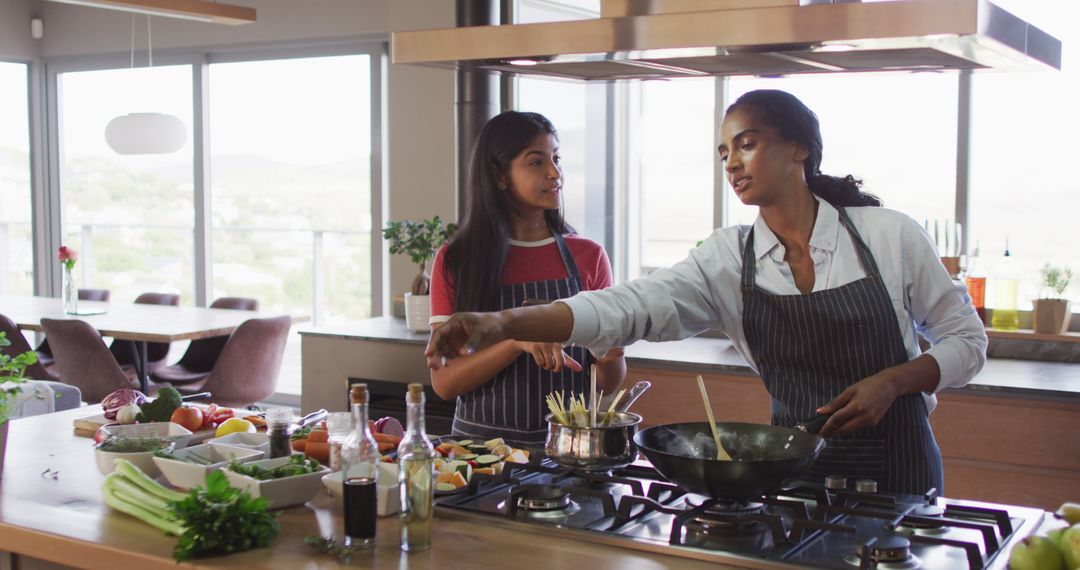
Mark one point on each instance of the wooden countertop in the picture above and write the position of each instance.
(1029, 378)
(64, 520)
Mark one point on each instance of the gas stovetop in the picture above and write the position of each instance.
(802, 525)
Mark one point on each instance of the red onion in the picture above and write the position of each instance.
(389, 426)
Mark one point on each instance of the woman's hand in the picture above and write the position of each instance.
(611, 356)
(863, 404)
(550, 356)
(462, 335)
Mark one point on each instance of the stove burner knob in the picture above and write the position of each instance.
(835, 482)
(866, 486)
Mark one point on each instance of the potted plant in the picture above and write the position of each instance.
(1052, 314)
(418, 240)
(12, 381)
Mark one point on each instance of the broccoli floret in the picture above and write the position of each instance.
(161, 408)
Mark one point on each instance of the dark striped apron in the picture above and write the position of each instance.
(809, 348)
(511, 405)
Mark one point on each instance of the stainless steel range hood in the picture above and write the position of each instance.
(648, 39)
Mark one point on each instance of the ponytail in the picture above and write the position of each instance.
(841, 192)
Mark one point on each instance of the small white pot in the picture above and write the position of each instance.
(417, 312)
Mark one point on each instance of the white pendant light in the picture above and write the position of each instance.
(145, 133)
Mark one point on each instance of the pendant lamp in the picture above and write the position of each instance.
(145, 133)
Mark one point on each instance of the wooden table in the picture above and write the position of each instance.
(64, 521)
(133, 321)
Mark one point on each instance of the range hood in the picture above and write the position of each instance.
(653, 39)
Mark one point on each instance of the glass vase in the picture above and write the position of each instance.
(71, 292)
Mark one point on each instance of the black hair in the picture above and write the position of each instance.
(475, 256)
(797, 123)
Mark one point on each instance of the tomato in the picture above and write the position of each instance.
(189, 417)
(220, 415)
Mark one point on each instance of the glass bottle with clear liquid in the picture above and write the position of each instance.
(1005, 315)
(416, 476)
(360, 470)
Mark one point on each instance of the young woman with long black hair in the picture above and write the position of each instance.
(824, 295)
(513, 249)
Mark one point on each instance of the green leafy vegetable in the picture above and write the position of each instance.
(133, 444)
(302, 433)
(161, 408)
(296, 465)
(221, 520)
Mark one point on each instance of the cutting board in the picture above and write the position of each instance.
(87, 426)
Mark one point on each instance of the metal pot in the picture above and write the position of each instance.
(597, 448)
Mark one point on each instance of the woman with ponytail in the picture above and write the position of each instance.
(514, 249)
(825, 296)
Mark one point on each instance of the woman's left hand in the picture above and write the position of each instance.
(863, 404)
(611, 356)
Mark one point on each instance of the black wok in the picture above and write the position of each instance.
(763, 457)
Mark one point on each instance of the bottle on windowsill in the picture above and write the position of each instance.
(976, 284)
(1005, 316)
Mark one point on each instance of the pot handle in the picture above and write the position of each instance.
(633, 395)
(813, 425)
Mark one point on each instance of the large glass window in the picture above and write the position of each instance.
(131, 217)
(290, 147)
(1022, 143)
(895, 131)
(16, 247)
(671, 135)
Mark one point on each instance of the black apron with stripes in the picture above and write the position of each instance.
(809, 348)
(511, 405)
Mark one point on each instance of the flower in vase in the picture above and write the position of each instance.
(67, 256)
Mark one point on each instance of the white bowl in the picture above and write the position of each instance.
(259, 441)
(187, 475)
(175, 433)
(388, 500)
(284, 492)
(144, 460)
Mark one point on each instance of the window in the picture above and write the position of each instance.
(16, 249)
(671, 134)
(290, 184)
(131, 217)
(897, 132)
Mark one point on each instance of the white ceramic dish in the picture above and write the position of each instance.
(187, 475)
(284, 492)
(259, 441)
(144, 460)
(388, 500)
(176, 433)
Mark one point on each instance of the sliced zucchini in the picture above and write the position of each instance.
(487, 459)
(478, 449)
(468, 457)
(465, 442)
(444, 487)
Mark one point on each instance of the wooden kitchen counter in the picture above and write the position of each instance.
(64, 521)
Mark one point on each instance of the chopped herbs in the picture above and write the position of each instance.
(221, 520)
(133, 444)
(296, 465)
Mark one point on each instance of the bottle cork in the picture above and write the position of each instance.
(359, 394)
(416, 394)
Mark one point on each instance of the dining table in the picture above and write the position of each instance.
(137, 322)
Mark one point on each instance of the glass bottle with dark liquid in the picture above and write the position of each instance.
(360, 462)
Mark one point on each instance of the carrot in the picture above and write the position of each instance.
(259, 422)
(318, 436)
(385, 446)
(319, 451)
(386, 438)
(299, 444)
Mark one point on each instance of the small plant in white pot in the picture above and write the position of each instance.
(419, 240)
(1052, 314)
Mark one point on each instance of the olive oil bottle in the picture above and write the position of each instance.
(1005, 315)
(416, 476)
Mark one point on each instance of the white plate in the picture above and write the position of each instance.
(284, 492)
(144, 460)
(259, 441)
(187, 475)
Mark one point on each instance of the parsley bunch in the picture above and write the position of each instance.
(222, 520)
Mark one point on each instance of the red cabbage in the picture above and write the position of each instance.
(120, 398)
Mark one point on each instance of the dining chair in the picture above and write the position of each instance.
(202, 354)
(45, 356)
(248, 368)
(18, 346)
(85, 361)
(156, 352)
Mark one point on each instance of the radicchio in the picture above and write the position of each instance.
(120, 398)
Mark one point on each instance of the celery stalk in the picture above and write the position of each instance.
(123, 505)
(123, 487)
(136, 476)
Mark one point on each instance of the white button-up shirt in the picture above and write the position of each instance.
(703, 291)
